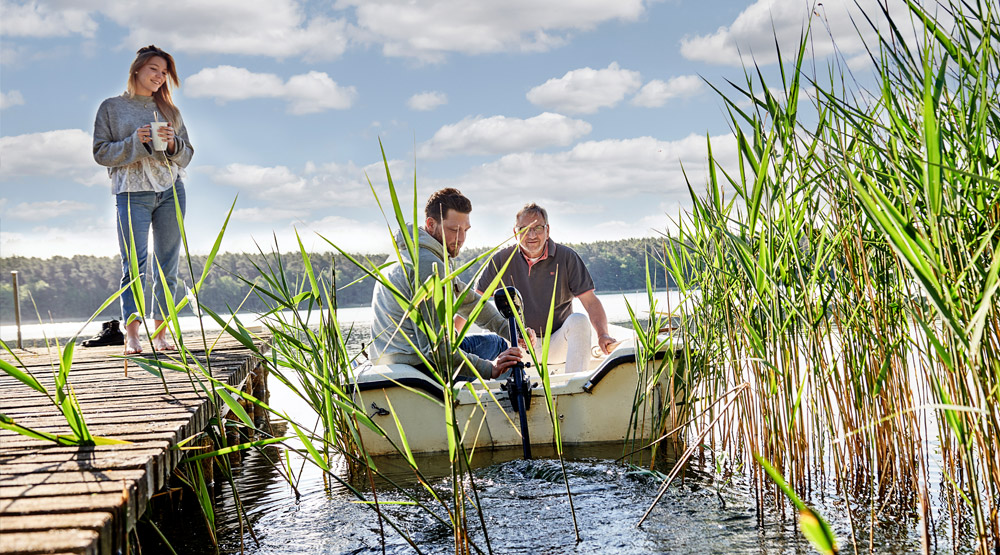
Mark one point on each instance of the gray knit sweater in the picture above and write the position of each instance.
(132, 165)
(391, 326)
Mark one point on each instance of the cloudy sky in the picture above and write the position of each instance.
(588, 107)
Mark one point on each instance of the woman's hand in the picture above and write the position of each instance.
(145, 133)
(167, 134)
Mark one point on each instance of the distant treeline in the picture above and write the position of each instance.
(72, 288)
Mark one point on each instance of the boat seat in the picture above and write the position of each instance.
(369, 376)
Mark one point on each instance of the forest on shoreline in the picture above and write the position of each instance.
(71, 288)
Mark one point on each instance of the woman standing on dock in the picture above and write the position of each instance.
(146, 171)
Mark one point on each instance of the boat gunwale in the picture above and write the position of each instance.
(419, 380)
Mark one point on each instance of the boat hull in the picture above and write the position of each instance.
(618, 399)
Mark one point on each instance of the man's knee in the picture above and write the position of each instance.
(486, 345)
(577, 326)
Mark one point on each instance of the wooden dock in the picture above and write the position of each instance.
(58, 499)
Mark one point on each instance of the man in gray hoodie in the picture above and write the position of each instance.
(395, 334)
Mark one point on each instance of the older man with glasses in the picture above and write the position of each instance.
(540, 267)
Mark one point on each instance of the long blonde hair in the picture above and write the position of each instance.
(162, 97)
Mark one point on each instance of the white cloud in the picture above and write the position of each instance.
(367, 236)
(646, 221)
(226, 83)
(12, 98)
(268, 214)
(315, 92)
(96, 239)
(275, 28)
(333, 199)
(426, 30)
(275, 179)
(806, 94)
(426, 101)
(44, 210)
(306, 93)
(501, 135)
(316, 187)
(46, 19)
(656, 93)
(32, 155)
(751, 36)
(614, 167)
(584, 91)
(430, 29)
(595, 191)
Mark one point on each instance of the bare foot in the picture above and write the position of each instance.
(132, 345)
(161, 344)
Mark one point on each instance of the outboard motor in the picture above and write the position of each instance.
(518, 388)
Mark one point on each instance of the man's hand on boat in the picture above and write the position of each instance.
(506, 360)
(532, 337)
(607, 343)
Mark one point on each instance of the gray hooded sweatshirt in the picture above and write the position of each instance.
(389, 343)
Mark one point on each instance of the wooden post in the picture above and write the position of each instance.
(17, 308)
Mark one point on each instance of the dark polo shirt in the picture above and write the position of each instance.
(535, 282)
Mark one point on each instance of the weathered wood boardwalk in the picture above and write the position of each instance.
(58, 499)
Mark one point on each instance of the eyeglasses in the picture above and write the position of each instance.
(147, 49)
(536, 229)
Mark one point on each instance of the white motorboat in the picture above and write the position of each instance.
(614, 399)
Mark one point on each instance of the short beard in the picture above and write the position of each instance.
(438, 235)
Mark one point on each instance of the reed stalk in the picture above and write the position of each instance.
(847, 269)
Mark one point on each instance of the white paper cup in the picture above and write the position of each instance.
(158, 142)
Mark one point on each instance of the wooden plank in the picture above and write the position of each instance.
(81, 451)
(94, 457)
(125, 501)
(70, 477)
(40, 360)
(15, 529)
(13, 441)
(139, 378)
(94, 399)
(112, 368)
(84, 499)
(51, 541)
(90, 390)
(95, 419)
(113, 502)
(53, 490)
(89, 521)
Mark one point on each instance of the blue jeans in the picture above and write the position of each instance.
(154, 211)
(484, 345)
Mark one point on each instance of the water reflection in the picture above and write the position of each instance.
(525, 508)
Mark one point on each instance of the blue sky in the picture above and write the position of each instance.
(588, 107)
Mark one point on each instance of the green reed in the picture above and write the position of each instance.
(309, 355)
(847, 270)
(62, 397)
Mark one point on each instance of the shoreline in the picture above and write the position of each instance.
(614, 304)
(5, 323)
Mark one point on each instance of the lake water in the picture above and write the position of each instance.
(614, 304)
(526, 508)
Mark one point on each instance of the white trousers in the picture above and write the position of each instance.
(571, 343)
